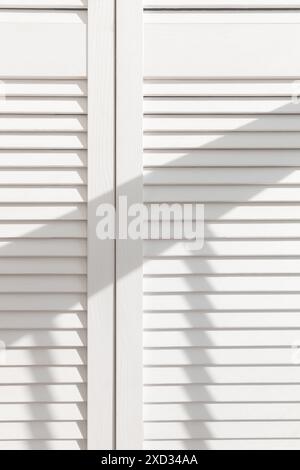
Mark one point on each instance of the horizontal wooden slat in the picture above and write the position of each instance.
(43, 88)
(38, 47)
(42, 105)
(220, 412)
(53, 229)
(44, 4)
(212, 18)
(218, 193)
(249, 212)
(43, 177)
(40, 283)
(228, 320)
(220, 356)
(216, 176)
(215, 375)
(44, 247)
(221, 266)
(42, 124)
(218, 338)
(221, 158)
(45, 357)
(43, 430)
(239, 140)
(222, 230)
(43, 338)
(216, 124)
(176, 45)
(236, 301)
(43, 320)
(220, 3)
(223, 248)
(21, 194)
(194, 283)
(223, 430)
(45, 374)
(221, 393)
(44, 212)
(232, 140)
(37, 302)
(233, 105)
(43, 265)
(227, 444)
(46, 444)
(70, 393)
(42, 412)
(43, 158)
(43, 141)
(212, 87)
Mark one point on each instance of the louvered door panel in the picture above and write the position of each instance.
(221, 326)
(43, 186)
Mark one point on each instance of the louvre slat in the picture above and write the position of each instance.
(44, 430)
(223, 176)
(45, 374)
(43, 159)
(194, 283)
(220, 412)
(43, 265)
(220, 3)
(60, 393)
(217, 375)
(216, 106)
(43, 338)
(45, 357)
(213, 124)
(221, 158)
(221, 444)
(42, 105)
(43, 194)
(234, 193)
(44, 4)
(219, 338)
(41, 123)
(221, 393)
(223, 430)
(40, 283)
(193, 87)
(238, 140)
(43, 320)
(38, 412)
(220, 356)
(44, 212)
(218, 265)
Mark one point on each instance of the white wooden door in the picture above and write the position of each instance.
(44, 200)
(221, 127)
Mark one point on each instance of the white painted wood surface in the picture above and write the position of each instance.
(101, 254)
(43, 156)
(176, 44)
(221, 326)
(43, 44)
(47, 4)
(189, 4)
(129, 258)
